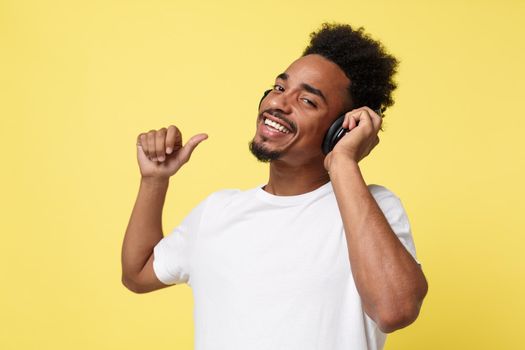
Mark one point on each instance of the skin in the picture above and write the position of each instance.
(391, 284)
(160, 155)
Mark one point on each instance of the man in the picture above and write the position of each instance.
(315, 259)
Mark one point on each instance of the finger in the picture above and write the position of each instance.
(151, 145)
(352, 122)
(160, 144)
(345, 121)
(352, 119)
(365, 120)
(376, 120)
(172, 136)
(349, 122)
(144, 143)
(374, 117)
(187, 149)
(141, 141)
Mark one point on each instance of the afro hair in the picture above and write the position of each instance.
(364, 60)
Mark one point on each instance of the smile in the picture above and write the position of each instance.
(276, 126)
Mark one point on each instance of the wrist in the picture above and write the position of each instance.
(339, 161)
(156, 181)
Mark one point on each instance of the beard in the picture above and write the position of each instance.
(263, 154)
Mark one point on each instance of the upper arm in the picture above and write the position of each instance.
(172, 257)
(146, 281)
(395, 214)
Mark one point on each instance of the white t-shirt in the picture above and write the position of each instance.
(272, 272)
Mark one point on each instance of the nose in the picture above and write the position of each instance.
(279, 100)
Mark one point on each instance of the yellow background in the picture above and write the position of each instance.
(81, 79)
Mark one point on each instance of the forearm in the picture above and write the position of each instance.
(390, 282)
(144, 229)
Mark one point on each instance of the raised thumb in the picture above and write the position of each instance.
(188, 148)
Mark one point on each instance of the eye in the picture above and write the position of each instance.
(278, 88)
(309, 102)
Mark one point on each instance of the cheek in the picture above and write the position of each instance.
(320, 130)
(313, 135)
(314, 129)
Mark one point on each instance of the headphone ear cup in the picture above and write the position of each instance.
(334, 134)
(264, 95)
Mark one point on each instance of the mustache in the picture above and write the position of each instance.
(279, 115)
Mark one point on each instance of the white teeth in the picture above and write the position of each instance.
(276, 126)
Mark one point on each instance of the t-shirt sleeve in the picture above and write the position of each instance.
(173, 253)
(396, 216)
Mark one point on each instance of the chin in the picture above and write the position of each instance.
(263, 153)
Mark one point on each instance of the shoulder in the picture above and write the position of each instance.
(222, 197)
(381, 192)
(387, 200)
(224, 194)
(395, 213)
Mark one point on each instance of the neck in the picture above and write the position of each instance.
(290, 180)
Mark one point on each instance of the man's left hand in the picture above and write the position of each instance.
(364, 124)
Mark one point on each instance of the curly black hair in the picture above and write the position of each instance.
(364, 60)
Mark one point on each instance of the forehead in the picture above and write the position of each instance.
(321, 73)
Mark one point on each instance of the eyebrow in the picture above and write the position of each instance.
(309, 88)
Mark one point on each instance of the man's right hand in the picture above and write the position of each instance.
(160, 153)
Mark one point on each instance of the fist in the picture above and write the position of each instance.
(160, 153)
(364, 125)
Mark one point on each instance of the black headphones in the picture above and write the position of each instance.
(335, 131)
